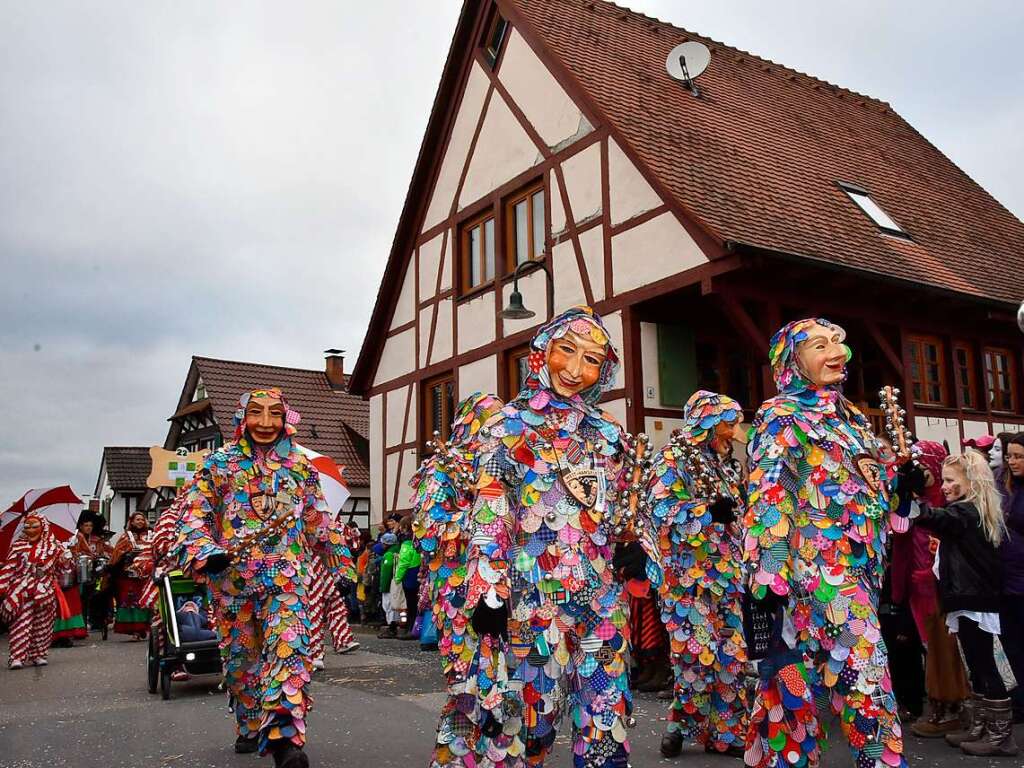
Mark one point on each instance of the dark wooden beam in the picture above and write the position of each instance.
(744, 323)
(894, 359)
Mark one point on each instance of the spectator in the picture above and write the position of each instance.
(389, 552)
(407, 571)
(1011, 610)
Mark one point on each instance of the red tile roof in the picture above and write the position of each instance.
(757, 158)
(127, 468)
(333, 423)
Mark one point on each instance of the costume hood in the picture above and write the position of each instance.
(584, 321)
(930, 455)
(789, 378)
(291, 416)
(704, 411)
(472, 413)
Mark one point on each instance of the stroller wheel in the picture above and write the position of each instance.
(152, 666)
(165, 684)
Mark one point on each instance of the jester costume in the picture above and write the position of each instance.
(29, 593)
(701, 594)
(471, 664)
(270, 493)
(547, 499)
(816, 528)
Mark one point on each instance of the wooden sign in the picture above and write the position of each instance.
(172, 469)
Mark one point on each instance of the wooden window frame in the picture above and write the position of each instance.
(917, 342)
(465, 272)
(426, 387)
(512, 358)
(526, 193)
(492, 53)
(1011, 371)
(971, 384)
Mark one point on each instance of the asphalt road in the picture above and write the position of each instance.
(375, 707)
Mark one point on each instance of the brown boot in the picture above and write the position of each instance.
(997, 738)
(971, 724)
(936, 723)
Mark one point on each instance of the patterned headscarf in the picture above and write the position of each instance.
(704, 411)
(782, 353)
(291, 416)
(585, 322)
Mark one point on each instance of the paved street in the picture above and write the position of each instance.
(376, 707)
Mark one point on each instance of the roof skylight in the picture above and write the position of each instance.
(872, 209)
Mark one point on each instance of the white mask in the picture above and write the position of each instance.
(995, 455)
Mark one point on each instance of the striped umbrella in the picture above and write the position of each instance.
(332, 481)
(59, 505)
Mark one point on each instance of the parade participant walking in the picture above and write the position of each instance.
(131, 618)
(29, 591)
(816, 530)
(539, 571)
(443, 498)
(253, 522)
(71, 627)
(694, 493)
(970, 529)
(89, 544)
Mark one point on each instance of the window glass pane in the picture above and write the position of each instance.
(872, 209)
(489, 250)
(522, 371)
(449, 402)
(522, 244)
(435, 411)
(475, 278)
(538, 223)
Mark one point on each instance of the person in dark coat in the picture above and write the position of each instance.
(1010, 483)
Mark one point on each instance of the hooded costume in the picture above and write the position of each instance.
(260, 599)
(130, 553)
(547, 500)
(472, 665)
(29, 593)
(816, 528)
(701, 594)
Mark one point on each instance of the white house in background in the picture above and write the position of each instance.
(696, 224)
(121, 483)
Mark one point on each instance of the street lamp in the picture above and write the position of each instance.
(516, 310)
(1020, 317)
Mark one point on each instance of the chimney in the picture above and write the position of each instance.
(334, 368)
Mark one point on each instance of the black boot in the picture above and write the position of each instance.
(671, 744)
(246, 745)
(287, 755)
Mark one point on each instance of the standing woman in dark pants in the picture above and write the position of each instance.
(1010, 482)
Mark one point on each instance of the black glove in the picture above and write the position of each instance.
(344, 587)
(630, 561)
(911, 479)
(490, 621)
(216, 563)
(723, 510)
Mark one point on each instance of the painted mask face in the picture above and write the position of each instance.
(33, 528)
(953, 483)
(1015, 459)
(574, 363)
(822, 356)
(264, 419)
(995, 455)
(725, 433)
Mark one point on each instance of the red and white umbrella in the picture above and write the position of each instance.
(58, 505)
(332, 481)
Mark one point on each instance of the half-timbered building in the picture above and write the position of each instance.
(696, 224)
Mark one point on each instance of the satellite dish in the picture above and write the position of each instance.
(686, 62)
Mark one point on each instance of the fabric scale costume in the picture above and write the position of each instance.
(815, 539)
(702, 590)
(547, 499)
(258, 510)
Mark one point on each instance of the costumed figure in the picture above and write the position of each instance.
(552, 491)
(91, 553)
(444, 483)
(30, 592)
(816, 530)
(131, 618)
(328, 612)
(696, 498)
(253, 522)
(71, 627)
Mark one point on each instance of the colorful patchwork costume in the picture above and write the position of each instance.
(547, 501)
(701, 594)
(261, 598)
(815, 537)
(443, 499)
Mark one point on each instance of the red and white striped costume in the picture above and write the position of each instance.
(327, 612)
(28, 592)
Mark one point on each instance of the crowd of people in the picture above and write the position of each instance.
(759, 575)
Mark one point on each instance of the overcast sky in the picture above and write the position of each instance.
(224, 179)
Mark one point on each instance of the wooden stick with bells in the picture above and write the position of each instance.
(895, 424)
(704, 480)
(450, 463)
(286, 512)
(638, 465)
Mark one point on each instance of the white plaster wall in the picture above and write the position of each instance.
(430, 263)
(395, 404)
(479, 376)
(660, 429)
(654, 250)
(926, 428)
(582, 174)
(405, 309)
(476, 322)
(592, 245)
(426, 316)
(443, 333)
(535, 297)
(376, 457)
(458, 147)
(629, 192)
(502, 151)
(568, 285)
(398, 357)
(411, 422)
(613, 323)
(392, 479)
(557, 211)
(617, 409)
(545, 103)
(409, 467)
(975, 429)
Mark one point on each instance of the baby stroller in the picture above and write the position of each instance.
(182, 642)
